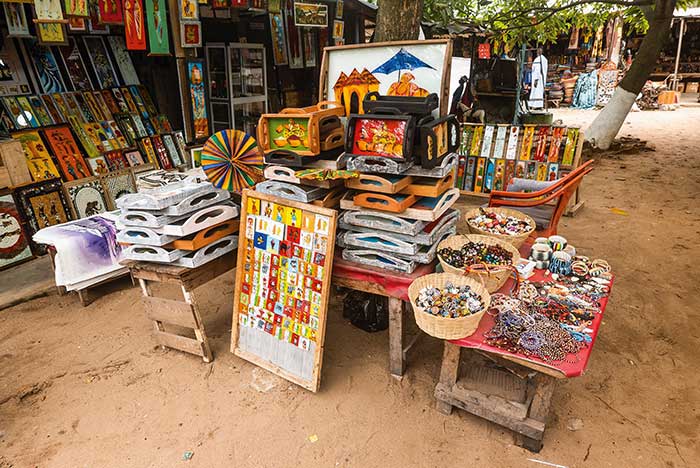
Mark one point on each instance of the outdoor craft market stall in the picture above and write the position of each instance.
(360, 191)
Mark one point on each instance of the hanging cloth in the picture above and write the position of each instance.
(539, 80)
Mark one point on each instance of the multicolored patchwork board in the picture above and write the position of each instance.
(285, 257)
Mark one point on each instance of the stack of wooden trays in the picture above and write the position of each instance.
(184, 223)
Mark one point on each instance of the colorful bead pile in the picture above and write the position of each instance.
(450, 301)
(476, 252)
(496, 223)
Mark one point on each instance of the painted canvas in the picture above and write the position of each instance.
(190, 34)
(60, 141)
(14, 79)
(100, 61)
(14, 247)
(123, 59)
(279, 40)
(134, 158)
(110, 11)
(14, 112)
(73, 61)
(95, 26)
(161, 152)
(86, 197)
(147, 150)
(309, 40)
(189, 10)
(45, 67)
(39, 162)
(157, 21)
(310, 15)
(40, 111)
(48, 10)
(198, 101)
(134, 25)
(98, 165)
(173, 151)
(76, 24)
(116, 160)
(379, 137)
(408, 70)
(51, 34)
(180, 142)
(16, 19)
(75, 8)
(118, 184)
(51, 108)
(27, 111)
(296, 48)
(43, 204)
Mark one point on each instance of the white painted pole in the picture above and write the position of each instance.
(681, 33)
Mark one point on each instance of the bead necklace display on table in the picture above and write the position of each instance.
(502, 223)
(476, 252)
(449, 301)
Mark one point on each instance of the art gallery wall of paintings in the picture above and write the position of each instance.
(491, 155)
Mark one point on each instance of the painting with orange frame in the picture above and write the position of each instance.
(134, 25)
(70, 159)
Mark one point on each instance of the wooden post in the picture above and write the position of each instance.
(199, 330)
(542, 388)
(396, 361)
(448, 373)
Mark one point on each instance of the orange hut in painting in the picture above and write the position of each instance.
(351, 90)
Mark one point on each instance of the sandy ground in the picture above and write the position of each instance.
(85, 387)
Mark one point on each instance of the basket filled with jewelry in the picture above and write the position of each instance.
(487, 259)
(501, 223)
(448, 306)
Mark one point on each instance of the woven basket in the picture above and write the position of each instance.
(517, 241)
(493, 280)
(443, 327)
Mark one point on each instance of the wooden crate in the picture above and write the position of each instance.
(13, 164)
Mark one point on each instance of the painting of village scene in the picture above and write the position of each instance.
(289, 134)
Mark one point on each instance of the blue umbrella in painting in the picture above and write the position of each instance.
(403, 60)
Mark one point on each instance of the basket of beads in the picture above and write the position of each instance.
(448, 306)
(501, 223)
(487, 259)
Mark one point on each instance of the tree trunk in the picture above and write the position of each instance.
(604, 128)
(398, 20)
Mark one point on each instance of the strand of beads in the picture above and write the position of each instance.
(476, 252)
(496, 223)
(450, 301)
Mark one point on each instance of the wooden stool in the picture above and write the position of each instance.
(184, 314)
(505, 393)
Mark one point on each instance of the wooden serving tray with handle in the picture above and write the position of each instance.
(206, 236)
(429, 187)
(379, 183)
(383, 202)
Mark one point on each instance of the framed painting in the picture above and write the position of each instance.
(42, 204)
(73, 61)
(129, 100)
(98, 136)
(119, 100)
(134, 158)
(309, 40)
(196, 156)
(180, 142)
(39, 162)
(40, 111)
(110, 11)
(198, 97)
(51, 108)
(112, 143)
(27, 111)
(116, 160)
(95, 26)
(98, 98)
(279, 40)
(189, 10)
(190, 34)
(161, 152)
(86, 197)
(80, 107)
(310, 15)
(76, 24)
(98, 165)
(14, 79)
(350, 72)
(14, 247)
(110, 102)
(123, 59)
(50, 34)
(141, 131)
(157, 21)
(146, 147)
(173, 151)
(117, 184)
(45, 67)
(338, 29)
(126, 126)
(100, 61)
(16, 19)
(62, 144)
(148, 102)
(339, 10)
(76, 9)
(134, 25)
(294, 42)
(15, 112)
(47, 11)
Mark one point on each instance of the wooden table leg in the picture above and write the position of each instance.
(542, 386)
(396, 360)
(146, 291)
(199, 330)
(448, 374)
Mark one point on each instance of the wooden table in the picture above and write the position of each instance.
(509, 389)
(183, 314)
(389, 284)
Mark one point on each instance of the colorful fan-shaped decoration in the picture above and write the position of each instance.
(232, 160)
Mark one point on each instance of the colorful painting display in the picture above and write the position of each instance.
(42, 204)
(51, 34)
(110, 11)
(279, 40)
(16, 19)
(73, 61)
(100, 61)
(70, 159)
(123, 59)
(117, 184)
(76, 24)
(39, 110)
(338, 29)
(134, 25)
(191, 34)
(189, 10)
(232, 160)
(296, 48)
(198, 99)
(45, 66)
(310, 15)
(309, 41)
(98, 165)
(39, 162)
(134, 158)
(48, 10)
(157, 21)
(281, 294)
(380, 137)
(27, 111)
(76, 8)
(14, 247)
(86, 197)
(289, 133)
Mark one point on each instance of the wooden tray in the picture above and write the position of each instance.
(429, 235)
(213, 251)
(425, 209)
(445, 167)
(436, 139)
(378, 165)
(381, 184)
(430, 187)
(333, 140)
(206, 236)
(382, 241)
(145, 219)
(202, 219)
(143, 236)
(290, 191)
(149, 253)
(383, 202)
(364, 133)
(379, 260)
(288, 174)
(427, 253)
(163, 197)
(332, 198)
(332, 159)
(373, 220)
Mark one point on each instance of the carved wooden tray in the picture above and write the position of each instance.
(206, 236)
(379, 183)
(396, 203)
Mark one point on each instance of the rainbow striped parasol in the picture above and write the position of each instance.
(232, 160)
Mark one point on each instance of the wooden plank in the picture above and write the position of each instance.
(15, 162)
(541, 388)
(357, 285)
(489, 410)
(199, 325)
(191, 277)
(170, 311)
(182, 343)
(448, 373)
(396, 361)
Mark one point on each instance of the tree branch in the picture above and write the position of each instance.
(505, 17)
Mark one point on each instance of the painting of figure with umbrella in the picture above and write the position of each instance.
(415, 68)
